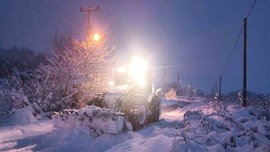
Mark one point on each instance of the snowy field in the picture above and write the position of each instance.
(185, 125)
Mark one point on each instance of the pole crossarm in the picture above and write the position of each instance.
(89, 10)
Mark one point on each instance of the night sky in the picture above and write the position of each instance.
(192, 37)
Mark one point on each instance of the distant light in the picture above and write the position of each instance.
(111, 83)
(96, 37)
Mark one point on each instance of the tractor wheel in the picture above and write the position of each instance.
(139, 118)
(135, 108)
(155, 109)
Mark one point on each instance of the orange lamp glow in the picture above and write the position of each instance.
(96, 37)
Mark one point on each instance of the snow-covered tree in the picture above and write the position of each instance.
(75, 72)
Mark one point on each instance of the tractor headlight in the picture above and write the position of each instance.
(137, 71)
(121, 69)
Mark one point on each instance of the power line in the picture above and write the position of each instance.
(251, 8)
(235, 44)
(244, 57)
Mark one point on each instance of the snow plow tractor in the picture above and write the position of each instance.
(129, 104)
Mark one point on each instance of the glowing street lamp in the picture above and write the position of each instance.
(96, 37)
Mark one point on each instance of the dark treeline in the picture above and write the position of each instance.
(19, 60)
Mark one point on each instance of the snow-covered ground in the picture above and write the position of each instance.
(185, 125)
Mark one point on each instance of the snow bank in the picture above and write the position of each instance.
(92, 117)
(19, 116)
(24, 115)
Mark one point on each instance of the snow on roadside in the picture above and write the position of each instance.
(24, 136)
(208, 128)
(19, 116)
(16, 132)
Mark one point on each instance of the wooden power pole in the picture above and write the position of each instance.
(219, 93)
(164, 75)
(245, 65)
(89, 10)
(178, 80)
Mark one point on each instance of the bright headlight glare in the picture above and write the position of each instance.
(121, 69)
(138, 70)
(141, 83)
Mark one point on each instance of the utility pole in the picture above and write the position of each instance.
(219, 93)
(214, 89)
(178, 79)
(89, 10)
(245, 65)
(178, 84)
(164, 74)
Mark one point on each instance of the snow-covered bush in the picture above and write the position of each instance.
(230, 128)
(73, 75)
(18, 95)
(5, 102)
(17, 82)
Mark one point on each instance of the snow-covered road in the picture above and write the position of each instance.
(24, 137)
(164, 136)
